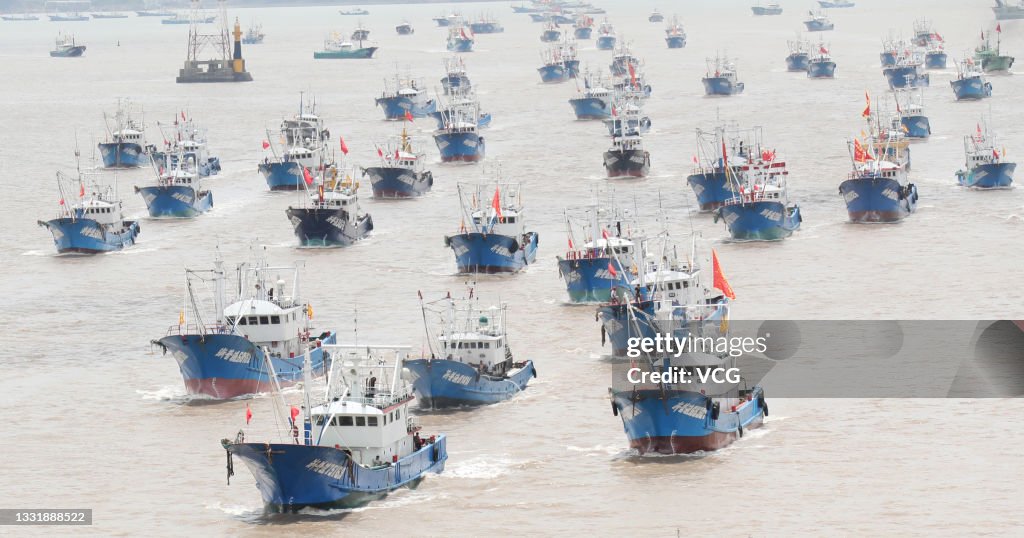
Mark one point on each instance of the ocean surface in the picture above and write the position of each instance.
(95, 417)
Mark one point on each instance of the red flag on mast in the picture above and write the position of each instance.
(999, 29)
(81, 190)
(248, 414)
(294, 412)
(344, 146)
(266, 144)
(611, 269)
(380, 152)
(408, 116)
(496, 202)
(632, 74)
(307, 176)
(867, 109)
(719, 277)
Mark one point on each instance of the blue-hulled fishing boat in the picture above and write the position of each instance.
(328, 212)
(675, 35)
(125, 144)
(91, 222)
(553, 69)
(492, 236)
(458, 39)
(627, 117)
(184, 140)
(471, 360)
(821, 64)
(970, 83)
(405, 96)
(721, 78)
(877, 189)
(66, 47)
(908, 72)
(486, 25)
(624, 61)
(605, 245)
(627, 156)
(176, 192)
(910, 111)
(819, 22)
(594, 101)
(985, 166)
(552, 33)
(455, 78)
(767, 9)
(606, 39)
(402, 172)
(828, 4)
(304, 140)
(799, 55)
(583, 29)
(760, 209)
(355, 445)
(458, 138)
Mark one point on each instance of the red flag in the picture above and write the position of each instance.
(822, 50)
(380, 153)
(719, 278)
(408, 116)
(604, 234)
(496, 202)
(307, 176)
(266, 144)
(611, 269)
(396, 155)
(867, 109)
(725, 159)
(570, 244)
(632, 74)
(248, 414)
(295, 413)
(995, 153)
(614, 112)
(320, 193)
(999, 29)
(182, 115)
(695, 161)
(344, 146)
(463, 31)
(61, 201)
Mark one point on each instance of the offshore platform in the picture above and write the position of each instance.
(229, 67)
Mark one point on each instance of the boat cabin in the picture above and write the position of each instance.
(374, 432)
(270, 319)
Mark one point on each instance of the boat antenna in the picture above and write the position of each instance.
(355, 323)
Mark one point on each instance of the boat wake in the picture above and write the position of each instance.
(482, 467)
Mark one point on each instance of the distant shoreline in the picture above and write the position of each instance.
(37, 6)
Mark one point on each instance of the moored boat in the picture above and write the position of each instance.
(828, 4)
(253, 35)
(1005, 11)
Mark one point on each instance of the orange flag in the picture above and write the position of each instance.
(719, 278)
(496, 202)
(867, 109)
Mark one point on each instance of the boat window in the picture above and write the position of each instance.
(319, 420)
(360, 421)
(230, 320)
(487, 345)
(252, 320)
(371, 421)
(385, 420)
(275, 320)
(264, 320)
(346, 421)
(241, 321)
(472, 345)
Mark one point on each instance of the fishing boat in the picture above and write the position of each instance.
(522, 8)
(328, 212)
(73, 16)
(458, 139)
(675, 35)
(185, 18)
(125, 143)
(402, 172)
(891, 49)
(155, 13)
(935, 56)
(570, 56)
(553, 69)
(110, 15)
(718, 150)
(360, 33)
(337, 48)
(984, 165)
(627, 156)
(358, 442)
(908, 72)
(627, 117)
(551, 33)
(583, 28)
(910, 110)
(1005, 11)
(767, 9)
(471, 360)
(594, 101)
(970, 83)
(821, 64)
(403, 97)
(455, 78)
(356, 11)
(466, 103)
(486, 25)
(22, 17)
(185, 146)
(799, 55)
(760, 209)
(66, 47)
(563, 18)
(684, 415)
(92, 222)
(721, 78)
(458, 39)
(877, 189)
(405, 28)
(655, 16)
(304, 139)
(829, 4)
(495, 239)
(176, 193)
(819, 22)
(606, 36)
(545, 16)
(661, 284)
(253, 35)
(990, 59)
(601, 253)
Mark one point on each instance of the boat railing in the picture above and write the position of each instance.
(196, 328)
